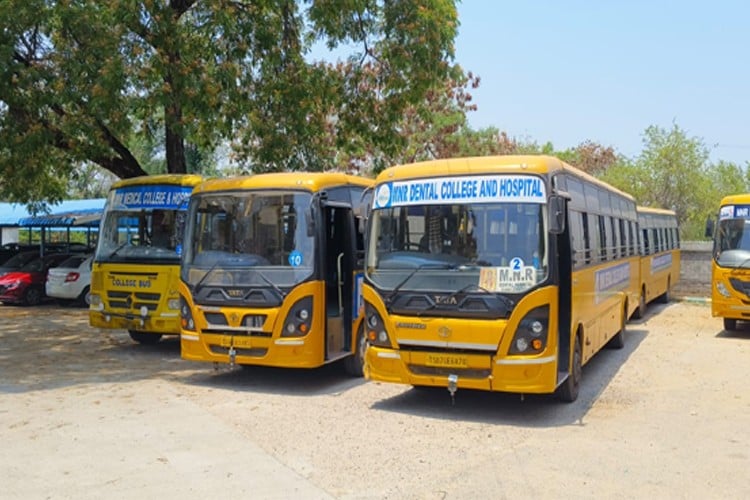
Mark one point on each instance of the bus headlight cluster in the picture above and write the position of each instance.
(95, 302)
(299, 319)
(186, 315)
(722, 289)
(531, 335)
(375, 327)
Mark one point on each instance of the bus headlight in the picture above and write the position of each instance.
(186, 315)
(95, 302)
(375, 328)
(722, 289)
(531, 335)
(299, 318)
(173, 304)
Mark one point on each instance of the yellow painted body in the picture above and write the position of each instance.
(125, 288)
(267, 347)
(596, 314)
(726, 300)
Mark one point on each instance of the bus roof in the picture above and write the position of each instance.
(309, 181)
(736, 199)
(654, 210)
(537, 164)
(171, 179)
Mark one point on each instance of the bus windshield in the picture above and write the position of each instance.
(733, 243)
(140, 235)
(491, 247)
(248, 238)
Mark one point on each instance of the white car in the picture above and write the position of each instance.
(71, 280)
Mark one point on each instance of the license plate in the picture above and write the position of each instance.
(236, 341)
(447, 361)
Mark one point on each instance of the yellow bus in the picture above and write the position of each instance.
(660, 256)
(137, 261)
(503, 273)
(730, 268)
(272, 271)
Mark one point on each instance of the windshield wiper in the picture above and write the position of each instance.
(433, 305)
(273, 285)
(412, 273)
(211, 269)
(120, 247)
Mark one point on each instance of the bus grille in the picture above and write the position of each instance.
(133, 301)
(439, 371)
(257, 352)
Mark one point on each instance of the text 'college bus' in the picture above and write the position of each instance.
(136, 267)
(660, 256)
(498, 273)
(272, 271)
(730, 267)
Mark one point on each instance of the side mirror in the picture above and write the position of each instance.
(710, 224)
(556, 214)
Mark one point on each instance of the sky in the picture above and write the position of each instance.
(568, 71)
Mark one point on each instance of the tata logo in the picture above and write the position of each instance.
(445, 299)
(235, 292)
(444, 332)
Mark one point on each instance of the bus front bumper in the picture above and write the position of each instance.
(531, 375)
(167, 323)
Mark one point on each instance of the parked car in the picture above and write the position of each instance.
(18, 261)
(26, 285)
(9, 250)
(70, 281)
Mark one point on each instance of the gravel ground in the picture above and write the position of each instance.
(86, 413)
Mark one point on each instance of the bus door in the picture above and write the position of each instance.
(338, 271)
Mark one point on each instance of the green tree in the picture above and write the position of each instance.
(85, 81)
(673, 172)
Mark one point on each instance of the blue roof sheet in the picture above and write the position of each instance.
(82, 213)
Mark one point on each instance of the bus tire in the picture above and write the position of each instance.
(568, 390)
(618, 340)
(640, 311)
(666, 296)
(355, 364)
(145, 338)
(730, 324)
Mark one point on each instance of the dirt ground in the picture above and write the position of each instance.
(87, 413)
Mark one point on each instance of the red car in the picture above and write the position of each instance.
(26, 285)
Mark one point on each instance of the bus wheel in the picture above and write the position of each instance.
(355, 364)
(640, 311)
(665, 297)
(730, 324)
(618, 340)
(568, 391)
(145, 338)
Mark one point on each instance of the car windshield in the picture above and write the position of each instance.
(496, 247)
(733, 243)
(20, 259)
(248, 238)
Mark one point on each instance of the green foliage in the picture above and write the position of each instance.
(124, 82)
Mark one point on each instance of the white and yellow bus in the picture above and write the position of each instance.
(660, 256)
(272, 271)
(502, 273)
(136, 266)
(730, 268)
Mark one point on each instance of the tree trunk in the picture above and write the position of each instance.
(175, 144)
